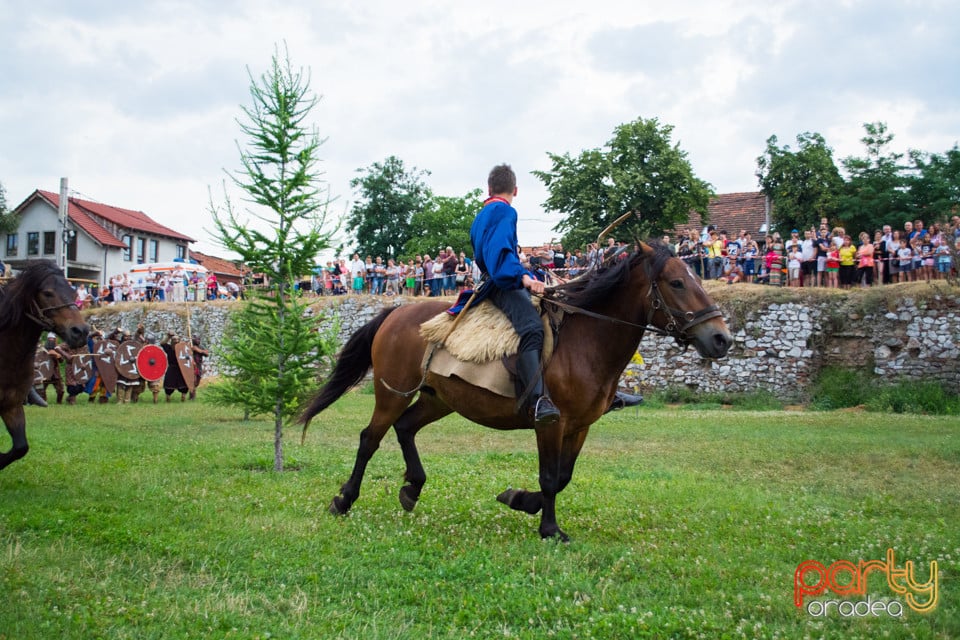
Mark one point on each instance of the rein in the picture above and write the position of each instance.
(690, 319)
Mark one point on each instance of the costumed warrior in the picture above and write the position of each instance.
(198, 355)
(173, 378)
(74, 377)
(56, 379)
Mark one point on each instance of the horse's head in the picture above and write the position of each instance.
(50, 302)
(681, 308)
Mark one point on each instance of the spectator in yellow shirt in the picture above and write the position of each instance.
(848, 263)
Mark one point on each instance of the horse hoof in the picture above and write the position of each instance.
(508, 496)
(407, 498)
(337, 507)
(557, 535)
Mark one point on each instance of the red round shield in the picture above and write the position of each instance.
(151, 362)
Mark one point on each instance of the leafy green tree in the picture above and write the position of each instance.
(445, 221)
(875, 192)
(639, 170)
(8, 221)
(273, 346)
(389, 196)
(803, 185)
(934, 187)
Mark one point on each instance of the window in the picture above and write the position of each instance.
(154, 250)
(33, 243)
(12, 245)
(72, 248)
(141, 250)
(49, 243)
(128, 243)
(181, 252)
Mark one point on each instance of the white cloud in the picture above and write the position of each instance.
(136, 103)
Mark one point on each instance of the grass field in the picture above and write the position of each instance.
(143, 521)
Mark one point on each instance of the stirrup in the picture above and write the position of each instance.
(545, 413)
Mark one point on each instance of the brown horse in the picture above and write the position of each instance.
(39, 299)
(606, 313)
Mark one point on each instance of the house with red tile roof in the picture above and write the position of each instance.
(732, 212)
(106, 240)
(226, 270)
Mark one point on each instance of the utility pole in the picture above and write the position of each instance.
(64, 237)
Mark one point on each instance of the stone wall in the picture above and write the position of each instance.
(782, 337)
(781, 346)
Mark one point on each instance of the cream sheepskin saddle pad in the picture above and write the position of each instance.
(476, 348)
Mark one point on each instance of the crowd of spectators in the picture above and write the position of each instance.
(444, 274)
(447, 273)
(825, 256)
(821, 256)
(181, 284)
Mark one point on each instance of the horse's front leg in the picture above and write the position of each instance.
(556, 471)
(549, 448)
(17, 428)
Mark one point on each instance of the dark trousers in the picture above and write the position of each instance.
(516, 305)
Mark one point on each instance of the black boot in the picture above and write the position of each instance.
(623, 399)
(544, 411)
(34, 397)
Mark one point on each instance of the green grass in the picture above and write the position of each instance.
(837, 388)
(145, 521)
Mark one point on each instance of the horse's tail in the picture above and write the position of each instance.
(353, 364)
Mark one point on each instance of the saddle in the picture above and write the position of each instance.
(482, 347)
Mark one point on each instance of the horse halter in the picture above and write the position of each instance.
(39, 314)
(689, 318)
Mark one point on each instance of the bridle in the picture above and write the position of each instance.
(674, 328)
(39, 314)
(690, 319)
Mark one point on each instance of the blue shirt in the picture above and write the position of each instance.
(493, 235)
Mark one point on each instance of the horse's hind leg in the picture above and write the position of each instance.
(17, 427)
(425, 410)
(386, 411)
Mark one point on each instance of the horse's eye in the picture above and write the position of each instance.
(676, 284)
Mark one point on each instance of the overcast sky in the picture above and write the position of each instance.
(136, 102)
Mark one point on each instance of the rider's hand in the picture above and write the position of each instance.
(534, 285)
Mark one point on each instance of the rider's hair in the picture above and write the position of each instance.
(502, 179)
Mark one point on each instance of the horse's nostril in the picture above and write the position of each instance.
(721, 340)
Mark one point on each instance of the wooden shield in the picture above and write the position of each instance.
(152, 362)
(81, 367)
(126, 364)
(105, 355)
(185, 362)
(44, 366)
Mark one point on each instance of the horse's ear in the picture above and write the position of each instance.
(643, 247)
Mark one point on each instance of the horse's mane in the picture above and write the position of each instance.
(15, 296)
(598, 285)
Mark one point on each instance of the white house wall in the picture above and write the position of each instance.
(94, 261)
(36, 217)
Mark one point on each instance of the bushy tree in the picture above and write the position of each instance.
(639, 170)
(803, 185)
(8, 221)
(273, 345)
(875, 192)
(934, 187)
(445, 221)
(389, 195)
